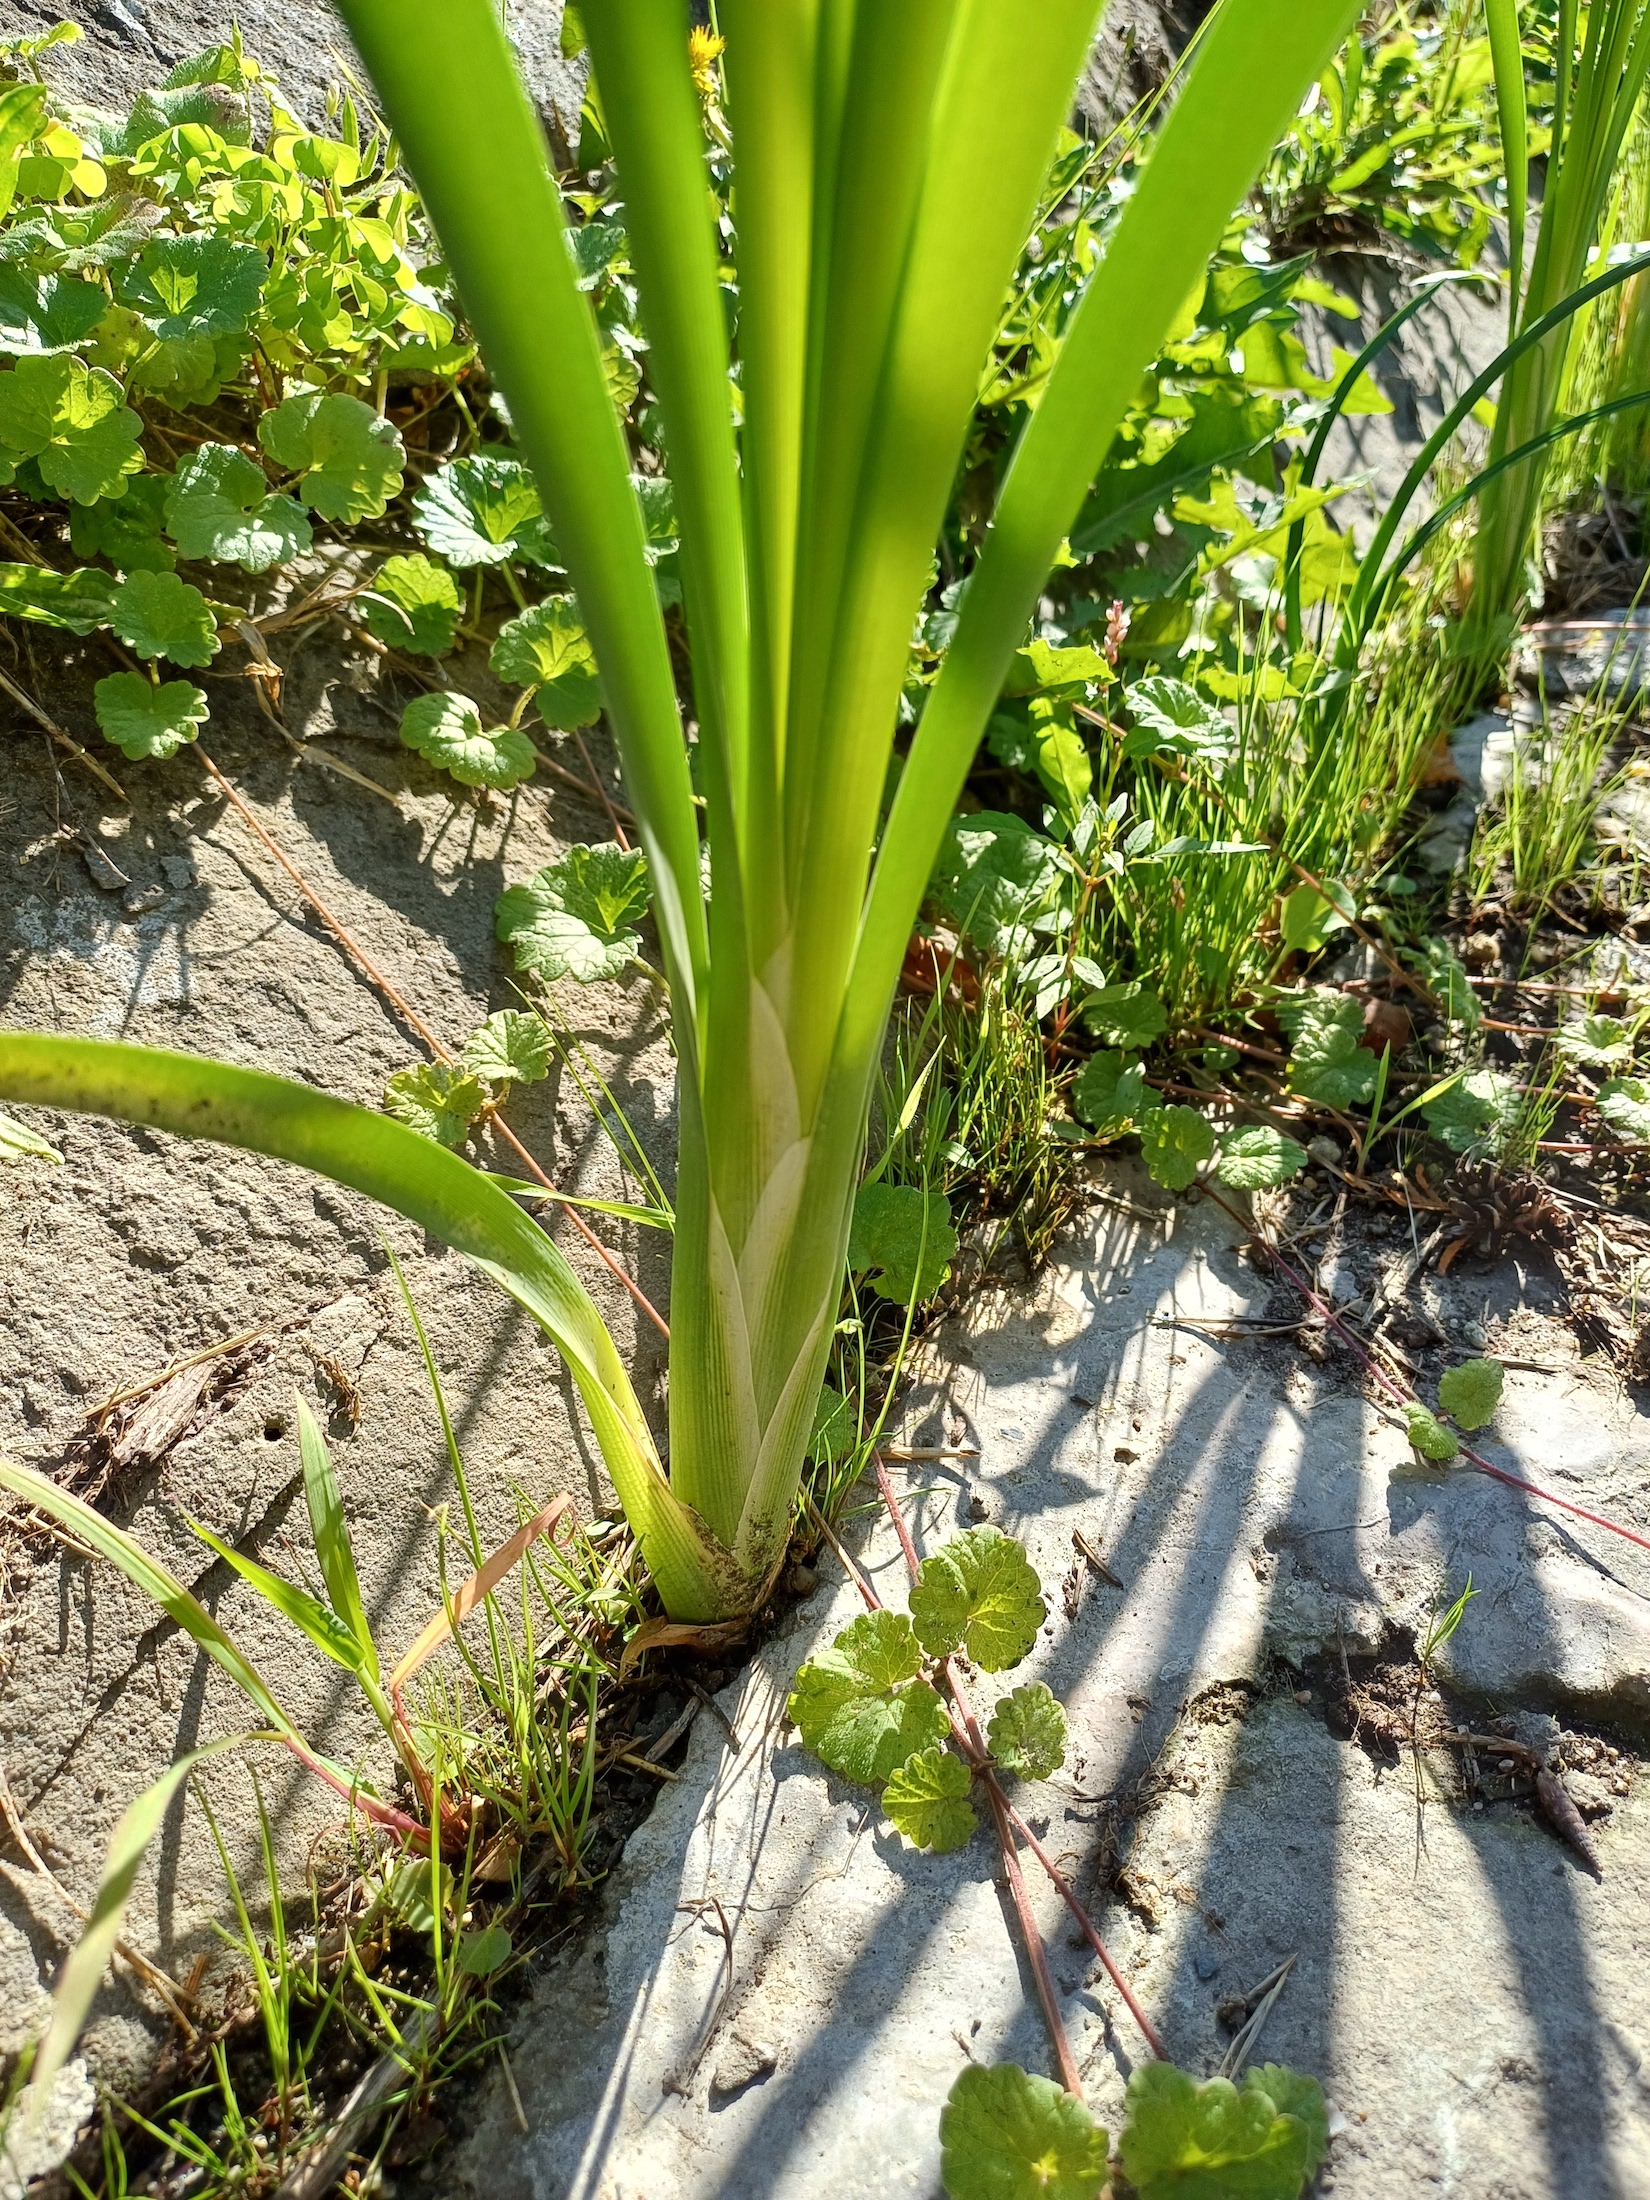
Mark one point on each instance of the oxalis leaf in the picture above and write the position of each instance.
(483, 511)
(511, 1048)
(1469, 1394)
(1428, 1434)
(351, 461)
(1185, 2141)
(195, 286)
(1174, 1142)
(1326, 1063)
(978, 1593)
(546, 648)
(78, 601)
(73, 422)
(926, 1799)
(220, 506)
(575, 918)
(902, 1239)
(1624, 1103)
(1007, 2134)
(447, 730)
(413, 605)
(143, 718)
(862, 1706)
(159, 615)
(437, 1100)
(1257, 1157)
(1027, 1733)
(1110, 1094)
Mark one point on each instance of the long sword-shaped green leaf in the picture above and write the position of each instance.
(308, 1614)
(1507, 58)
(333, 1548)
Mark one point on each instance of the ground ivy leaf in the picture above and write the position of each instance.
(902, 1239)
(73, 421)
(1469, 1394)
(1599, 1041)
(1027, 1733)
(159, 615)
(548, 649)
(78, 601)
(195, 286)
(575, 918)
(993, 877)
(862, 1706)
(1185, 2141)
(926, 1799)
(1292, 2093)
(1624, 1103)
(1170, 715)
(511, 1048)
(143, 719)
(978, 1593)
(446, 729)
(1110, 1092)
(1475, 1113)
(413, 605)
(484, 510)
(1007, 2134)
(1174, 1142)
(220, 506)
(1326, 1063)
(1126, 1015)
(436, 1099)
(1429, 1436)
(46, 313)
(351, 461)
(1252, 1160)
(127, 530)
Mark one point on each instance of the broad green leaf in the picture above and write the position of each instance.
(46, 313)
(1185, 2141)
(902, 1239)
(1128, 1015)
(159, 615)
(129, 530)
(993, 877)
(1306, 918)
(1061, 758)
(1624, 1103)
(1110, 1093)
(1043, 668)
(1170, 715)
(1174, 1142)
(18, 1144)
(547, 648)
(1292, 2093)
(308, 1614)
(1470, 1393)
(148, 718)
(446, 729)
(482, 1953)
(73, 422)
(658, 502)
(79, 600)
(436, 1100)
(1326, 1061)
(220, 506)
(511, 1048)
(1257, 1157)
(862, 1706)
(1474, 1114)
(350, 460)
(1445, 973)
(978, 1593)
(414, 605)
(926, 1799)
(200, 285)
(334, 1551)
(1027, 1733)
(1601, 1042)
(1429, 1435)
(575, 918)
(483, 511)
(1007, 2134)
(835, 1429)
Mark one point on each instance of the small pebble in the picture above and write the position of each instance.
(1206, 1965)
(1474, 1336)
(180, 872)
(103, 872)
(137, 901)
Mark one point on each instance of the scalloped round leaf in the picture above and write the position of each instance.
(46, 313)
(547, 648)
(437, 1100)
(1027, 1733)
(1601, 1042)
(1169, 715)
(128, 530)
(446, 730)
(1126, 1015)
(1174, 1142)
(1624, 1103)
(198, 285)
(1474, 1115)
(902, 1238)
(978, 1593)
(351, 461)
(220, 506)
(484, 510)
(1470, 1393)
(143, 719)
(1110, 1092)
(1258, 1157)
(79, 600)
(159, 615)
(1008, 2134)
(1427, 1433)
(926, 1800)
(511, 1048)
(1293, 2093)
(413, 605)
(862, 1706)
(1326, 1061)
(74, 422)
(576, 917)
(1209, 2142)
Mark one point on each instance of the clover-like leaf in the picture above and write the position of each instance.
(1169, 715)
(198, 285)
(350, 460)
(1624, 1103)
(978, 1593)
(1326, 1062)
(926, 1799)
(220, 506)
(1600, 1042)
(1008, 2134)
(159, 615)
(143, 718)
(446, 729)
(78, 601)
(127, 530)
(436, 1099)
(1474, 1114)
(1470, 1393)
(862, 1706)
(576, 917)
(1185, 2141)
(73, 421)
(547, 648)
(1128, 1015)
(46, 313)
(1429, 1435)
(413, 605)
(902, 1239)
(484, 510)
(1110, 1094)
(1027, 1733)
(1257, 1157)
(1174, 1143)
(511, 1048)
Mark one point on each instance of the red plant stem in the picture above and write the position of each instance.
(1396, 1390)
(381, 1814)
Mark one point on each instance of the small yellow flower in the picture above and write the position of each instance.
(703, 48)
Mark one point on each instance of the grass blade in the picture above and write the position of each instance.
(308, 1614)
(333, 1548)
